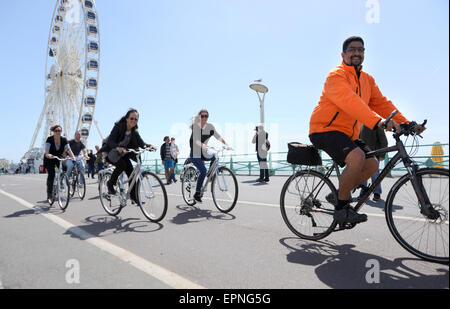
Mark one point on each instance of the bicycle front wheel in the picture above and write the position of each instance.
(152, 197)
(307, 205)
(81, 186)
(63, 192)
(110, 203)
(189, 185)
(224, 189)
(424, 237)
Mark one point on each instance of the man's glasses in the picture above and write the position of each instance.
(354, 49)
(57, 131)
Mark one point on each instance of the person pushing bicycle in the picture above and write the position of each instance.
(349, 99)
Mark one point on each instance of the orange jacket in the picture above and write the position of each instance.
(348, 102)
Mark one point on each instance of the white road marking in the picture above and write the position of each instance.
(170, 278)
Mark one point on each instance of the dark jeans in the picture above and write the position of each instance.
(50, 167)
(198, 162)
(124, 164)
(91, 170)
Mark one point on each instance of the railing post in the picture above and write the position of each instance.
(231, 164)
(156, 166)
(271, 171)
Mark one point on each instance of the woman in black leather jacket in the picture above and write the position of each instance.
(124, 136)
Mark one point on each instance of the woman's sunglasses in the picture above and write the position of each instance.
(204, 116)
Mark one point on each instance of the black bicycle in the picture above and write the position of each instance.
(416, 209)
(77, 182)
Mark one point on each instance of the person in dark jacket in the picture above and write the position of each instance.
(262, 146)
(167, 160)
(375, 139)
(54, 147)
(124, 136)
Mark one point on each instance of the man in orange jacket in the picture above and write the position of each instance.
(349, 99)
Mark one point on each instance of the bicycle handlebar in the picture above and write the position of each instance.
(384, 124)
(139, 151)
(59, 159)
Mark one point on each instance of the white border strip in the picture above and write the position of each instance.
(160, 273)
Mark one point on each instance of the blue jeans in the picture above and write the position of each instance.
(374, 177)
(198, 162)
(70, 165)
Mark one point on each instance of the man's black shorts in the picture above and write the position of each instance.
(337, 145)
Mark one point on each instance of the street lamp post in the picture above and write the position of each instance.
(261, 91)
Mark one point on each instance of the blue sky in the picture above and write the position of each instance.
(171, 58)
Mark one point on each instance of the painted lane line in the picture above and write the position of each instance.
(166, 276)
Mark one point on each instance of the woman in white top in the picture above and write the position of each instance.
(202, 131)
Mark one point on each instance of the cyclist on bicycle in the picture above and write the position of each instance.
(80, 152)
(202, 131)
(349, 99)
(124, 136)
(54, 146)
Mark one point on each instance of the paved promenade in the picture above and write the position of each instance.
(193, 247)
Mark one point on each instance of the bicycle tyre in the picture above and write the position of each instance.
(224, 209)
(81, 185)
(151, 182)
(63, 192)
(188, 185)
(72, 184)
(309, 211)
(106, 199)
(394, 222)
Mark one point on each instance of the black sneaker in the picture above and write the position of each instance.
(111, 189)
(349, 215)
(198, 197)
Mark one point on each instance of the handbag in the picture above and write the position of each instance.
(301, 154)
(114, 156)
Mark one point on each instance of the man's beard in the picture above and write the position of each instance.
(356, 61)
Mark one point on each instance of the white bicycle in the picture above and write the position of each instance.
(224, 186)
(151, 193)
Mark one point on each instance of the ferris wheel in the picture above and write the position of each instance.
(71, 71)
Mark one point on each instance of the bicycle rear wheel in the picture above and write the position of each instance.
(81, 185)
(306, 204)
(152, 197)
(224, 189)
(189, 185)
(421, 236)
(63, 192)
(110, 203)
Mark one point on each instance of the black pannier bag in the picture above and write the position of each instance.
(301, 154)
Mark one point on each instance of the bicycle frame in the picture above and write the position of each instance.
(410, 166)
(135, 174)
(401, 155)
(214, 172)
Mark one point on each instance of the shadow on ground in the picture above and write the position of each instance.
(344, 267)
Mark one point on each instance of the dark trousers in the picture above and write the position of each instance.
(91, 170)
(124, 164)
(263, 172)
(50, 167)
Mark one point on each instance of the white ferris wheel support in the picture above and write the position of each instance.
(71, 71)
